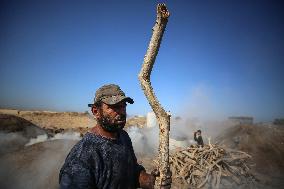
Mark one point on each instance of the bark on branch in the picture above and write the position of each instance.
(162, 116)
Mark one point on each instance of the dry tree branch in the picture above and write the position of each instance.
(211, 165)
(163, 117)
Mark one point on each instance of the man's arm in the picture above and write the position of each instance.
(195, 136)
(201, 141)
(145, 180)
(76, 175)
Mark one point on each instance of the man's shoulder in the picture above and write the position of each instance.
(124, 137)
(79, 156)
(87, 143)
(124, 133)
(90, 138)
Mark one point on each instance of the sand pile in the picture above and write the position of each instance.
(265, 143)
(15, 132)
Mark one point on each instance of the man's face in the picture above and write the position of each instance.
(198, 133)
(112, 117)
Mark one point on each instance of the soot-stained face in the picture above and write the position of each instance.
(112, 117)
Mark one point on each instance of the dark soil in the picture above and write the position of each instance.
(266, 146)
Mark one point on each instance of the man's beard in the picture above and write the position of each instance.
(111, 125)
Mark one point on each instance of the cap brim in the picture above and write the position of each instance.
(114, 100)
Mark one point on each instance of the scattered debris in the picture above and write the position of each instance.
(211, 166)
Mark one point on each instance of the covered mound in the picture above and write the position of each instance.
(12, 123)
(266, 146)
(15, 132)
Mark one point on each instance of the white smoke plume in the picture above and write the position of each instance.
(34, 166)
(39, 138)
(67, 136)
(146, 140)
(44, 138)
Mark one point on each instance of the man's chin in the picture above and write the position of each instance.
(113, 128)
(121, 123)
(120, 126)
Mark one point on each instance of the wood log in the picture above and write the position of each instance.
(162, 116)
(211, 166)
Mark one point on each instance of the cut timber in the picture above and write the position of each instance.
(194, 166)
(163, 117)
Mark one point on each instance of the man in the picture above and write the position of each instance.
(105, 158)
(198, 138)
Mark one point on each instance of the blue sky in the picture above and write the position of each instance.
(217, 58)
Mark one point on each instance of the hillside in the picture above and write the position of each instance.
(55, 122)
(48, 119)
(266, 146)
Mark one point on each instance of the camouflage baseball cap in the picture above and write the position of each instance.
(110, 94)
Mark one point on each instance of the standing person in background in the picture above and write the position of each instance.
(104, 158)
(198, 138)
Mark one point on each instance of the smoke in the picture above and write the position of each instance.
(145, 140)
(31, 161)
(198, 112)
(39, 138)
(67, 136)
(201, 110)
(11, 141)
(200, 103)
(35, 165)
(58, 136)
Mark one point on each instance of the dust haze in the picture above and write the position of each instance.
(32, 155)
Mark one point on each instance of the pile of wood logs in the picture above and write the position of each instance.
(211, 167)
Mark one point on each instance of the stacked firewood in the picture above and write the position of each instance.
(211, 167)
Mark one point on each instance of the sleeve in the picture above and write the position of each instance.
(201, 141)
(77, 172)
(76, 175)
(139, 167)
(195, 136)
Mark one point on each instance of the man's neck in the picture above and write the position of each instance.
(98, 130)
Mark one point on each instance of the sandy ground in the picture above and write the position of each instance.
(38, 165)
(35, 166)
(265, 143)
(48, 119)
(65, 120)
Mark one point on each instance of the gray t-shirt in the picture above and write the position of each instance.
(101, 163)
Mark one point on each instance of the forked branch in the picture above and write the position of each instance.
(162, 116)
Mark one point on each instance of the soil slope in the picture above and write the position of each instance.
(266, 146)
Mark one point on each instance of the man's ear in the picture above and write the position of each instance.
(95, 111)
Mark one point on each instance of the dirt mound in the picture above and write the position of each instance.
(64, 120)
(264, 143)
(11, 123)
(58, 122)
(137, 121)
(15, 132)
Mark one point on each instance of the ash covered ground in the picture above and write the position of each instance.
(31, 154)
